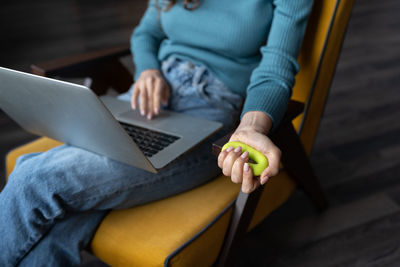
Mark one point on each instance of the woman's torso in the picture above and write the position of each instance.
(224, 35)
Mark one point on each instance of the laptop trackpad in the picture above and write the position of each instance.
(135, 115)
(165, 122)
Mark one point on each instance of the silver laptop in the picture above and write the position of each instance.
(73, 114)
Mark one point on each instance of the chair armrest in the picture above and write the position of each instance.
(103, 67)
(67, 65)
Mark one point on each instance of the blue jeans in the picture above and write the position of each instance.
(54, 201)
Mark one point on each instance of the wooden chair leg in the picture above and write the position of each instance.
(243, 211)
(297, 164)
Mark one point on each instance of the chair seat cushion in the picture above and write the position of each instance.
(147, 235)
(183, 230)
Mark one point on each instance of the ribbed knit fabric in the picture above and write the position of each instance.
(250, 45)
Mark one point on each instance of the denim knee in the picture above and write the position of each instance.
(24, 176)
(38, 176)
(30, 191)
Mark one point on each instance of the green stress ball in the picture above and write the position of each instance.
(254, 154)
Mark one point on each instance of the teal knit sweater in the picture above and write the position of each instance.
(250, 45)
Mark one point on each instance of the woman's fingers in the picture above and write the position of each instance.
(143, 100)
(237, 168)
(135, 95)
(157, 96)
(150, 90)
(222, 155)
(230, 160)
(249, 184)
(234, 164)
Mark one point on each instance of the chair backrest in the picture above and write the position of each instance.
(318, 57)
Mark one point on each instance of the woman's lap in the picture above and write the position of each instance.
(84, 180)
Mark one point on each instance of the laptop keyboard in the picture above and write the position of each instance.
(149, 141)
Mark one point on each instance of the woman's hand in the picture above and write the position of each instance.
(152, 90)
(252, 131)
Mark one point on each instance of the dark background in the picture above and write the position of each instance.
(356, 153)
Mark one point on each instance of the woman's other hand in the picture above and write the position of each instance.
(252, 131)
(151, 89)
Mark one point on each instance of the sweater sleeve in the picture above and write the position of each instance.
(272, 80)
(146, 40)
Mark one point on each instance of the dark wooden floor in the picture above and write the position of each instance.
(356, 154)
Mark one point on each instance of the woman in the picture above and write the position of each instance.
(197, 57)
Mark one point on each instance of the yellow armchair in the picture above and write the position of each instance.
(205, 225)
